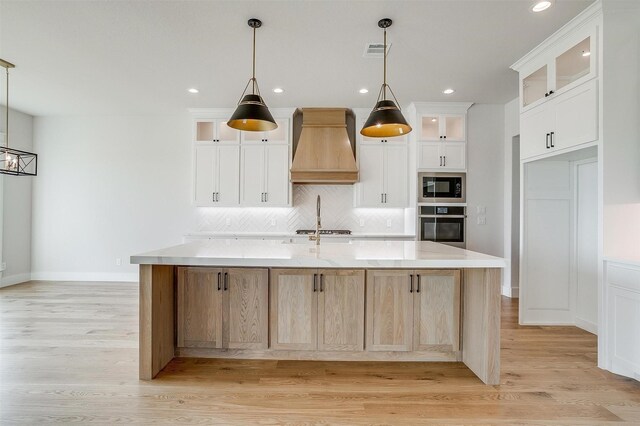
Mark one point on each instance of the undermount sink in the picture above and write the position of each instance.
(323, 241)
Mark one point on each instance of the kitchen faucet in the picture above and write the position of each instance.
(316, 236)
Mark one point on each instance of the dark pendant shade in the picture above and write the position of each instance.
(252, 115)
(385, 121)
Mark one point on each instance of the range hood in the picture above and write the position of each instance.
(324, 154)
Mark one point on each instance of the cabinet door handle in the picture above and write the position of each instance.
(546, 95)
(321, 282)
(219, 275)
(550, 92)
(444, 160)
(385, 198)
(226, 281)
(441, 161)
(411, 283)
(547, 140)
(418, 281)
(266, 197)
(213, 197)
(217, 196)
(381, 198)
(552, 145)
(444, 137)
(315, 279)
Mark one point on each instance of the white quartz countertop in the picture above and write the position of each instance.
(261, 235)
(305, 254)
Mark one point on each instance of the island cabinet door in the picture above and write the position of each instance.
(199, 308)
(340, 310)
(294, 307)
(245, 308)
(389, 310)
(436, 310)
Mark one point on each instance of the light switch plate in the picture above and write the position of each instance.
(481, 209)
(388, 223)
(482, 220)
(228, 221)
(3, 266)
(118, 261)
(361, 222)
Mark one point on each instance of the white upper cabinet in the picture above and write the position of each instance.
(441, 127)
(278, 136)
(440, 135)
(366, 140)
(264, 175)
(570, 62)
(383, 175)
(217, 175)
(214, 130)
(233, 168)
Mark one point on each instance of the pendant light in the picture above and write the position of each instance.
(386, 119)
(14, 161)
(252, 113)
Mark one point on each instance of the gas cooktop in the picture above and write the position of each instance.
(324, 232)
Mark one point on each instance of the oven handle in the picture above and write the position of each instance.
(444, 215)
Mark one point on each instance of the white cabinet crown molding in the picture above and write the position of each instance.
(440, 107)
(582, 19)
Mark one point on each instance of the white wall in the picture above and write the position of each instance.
(511, 217)
(621, 147)
(16, 205)
(485, 188)
(108, 187)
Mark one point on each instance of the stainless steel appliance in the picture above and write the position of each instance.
(441, 187)
(442, 224)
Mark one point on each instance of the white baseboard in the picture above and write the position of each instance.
(587, 325)
(510, 292)
(15, 279)
(84, 276)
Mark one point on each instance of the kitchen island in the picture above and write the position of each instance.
(362, 300)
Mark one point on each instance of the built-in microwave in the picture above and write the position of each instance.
(441, 187)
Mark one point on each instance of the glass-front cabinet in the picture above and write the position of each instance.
(574, 63)
(441, 127)
(215, 130)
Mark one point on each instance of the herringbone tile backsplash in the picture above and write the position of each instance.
(337, 213)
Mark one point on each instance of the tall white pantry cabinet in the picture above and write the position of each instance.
(568, 126)
(233, 168)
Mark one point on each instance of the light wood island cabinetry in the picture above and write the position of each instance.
(222, 308)
(421, 302)
(317, 309)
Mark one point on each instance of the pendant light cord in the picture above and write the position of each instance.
(6, 129)
(384, 76)
(253, 76)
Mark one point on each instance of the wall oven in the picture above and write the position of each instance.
(443, 224)
(441, 187)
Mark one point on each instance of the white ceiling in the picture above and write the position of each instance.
(132, 57)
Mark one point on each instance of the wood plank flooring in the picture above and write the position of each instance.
(69, 354)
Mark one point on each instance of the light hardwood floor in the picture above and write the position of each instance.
(69, 354)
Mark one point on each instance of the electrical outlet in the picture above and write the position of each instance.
(3, 266)
(482, 220)
(388, 223)
(361, 222)
(118, 261)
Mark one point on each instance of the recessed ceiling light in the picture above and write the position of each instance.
(448, 91)
(586, 53)
(278, 90)
(363, 90)
(193, 90)
(540, 5)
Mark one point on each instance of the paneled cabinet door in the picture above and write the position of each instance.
(341, 310)
(246, 304)
(217, 175)
(293, 318)
(215, 130)
(535, 126)
(395, 175)
(454, 155)
(429, 156)
(576, 116)
(279, 135)
(253, 188)
(436, 311)
(389, 310)
(228, 176)
(371, 185)
(199, 308)
(276, 175)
